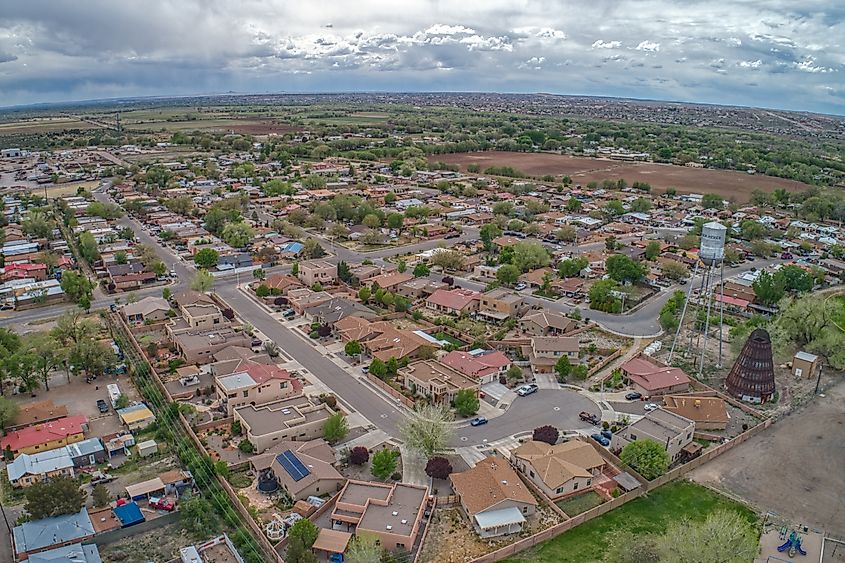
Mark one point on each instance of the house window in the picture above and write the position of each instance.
(531, 473)
(633, 436)
(400, 546)
(559, 490)
(688, 435)
(525, 510)
(246, 393)
(589, 482)
(575, 487)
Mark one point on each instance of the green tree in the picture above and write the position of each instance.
(59, 495)
(507, 274)
(640, 205)
(237, 235)
(353, 348)
(712, 201)
(378, 368)
(623, 269)
(197, 515)
(563, 368)
(652, 250)
(395, 221)
(335, 428)
(203, 281)
(206, 258)
(37, 225)
(421, 270)
(448, 260)
(305, 531)
(101, 496)
(8, 411)
(76, 286)
(47, 354)
(573, 205)
(648, 457)
(218, 217)
(487, 233)
(530, 255)
(795, 279)
(613, 208)
(723, 536)
(572, 267)
(384, 463)
(674, 270)
(603, 298)
(259, 274)
(364, 294)
(466, 402)
(262, 291)
(752, 230)
(364, 547)
(88, 247)
(768, 289)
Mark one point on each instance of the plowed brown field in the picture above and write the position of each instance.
(729, 184)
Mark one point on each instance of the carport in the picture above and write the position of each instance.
(332, 541)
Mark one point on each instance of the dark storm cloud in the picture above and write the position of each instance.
(777, 53)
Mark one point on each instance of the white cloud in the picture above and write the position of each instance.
(441, 29)
(809, 65)
(648, 46)
(600, 44)
(750, 64)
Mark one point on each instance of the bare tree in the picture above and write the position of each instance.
(723, 537)
(427, 430)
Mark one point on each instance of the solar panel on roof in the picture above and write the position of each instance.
(288, 460)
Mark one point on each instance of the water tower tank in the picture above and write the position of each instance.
(712, 249)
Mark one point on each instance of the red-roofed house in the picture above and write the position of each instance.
(25, 270)
(47, 436)
(453, 301)
(483, 366)
(255, 384)
(651, 377)
(389, 281)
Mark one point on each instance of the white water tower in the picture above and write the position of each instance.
(711, 252)
(712, 248)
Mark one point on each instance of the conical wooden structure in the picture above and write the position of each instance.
(752, 377)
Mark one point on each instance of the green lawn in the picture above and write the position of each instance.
(645, 515)
(448, 338)
(580, 503)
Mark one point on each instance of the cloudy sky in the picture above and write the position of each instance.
(776, 53)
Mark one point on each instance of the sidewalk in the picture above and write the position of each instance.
(413, 467)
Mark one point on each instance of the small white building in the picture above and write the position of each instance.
(147, 448)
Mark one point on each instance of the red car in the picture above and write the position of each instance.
(162, 504)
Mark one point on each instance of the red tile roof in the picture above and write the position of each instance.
(43, 433)
(478, 365)
(455, 299)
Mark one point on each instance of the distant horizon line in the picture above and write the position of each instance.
(100, 101)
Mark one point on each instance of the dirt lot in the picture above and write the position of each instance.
(161, 544)
(582, 170)
(794, 468)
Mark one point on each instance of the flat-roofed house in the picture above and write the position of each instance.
(36, 413)
(500, 304)
(670, 430)
(436, 380)
(545, 351)
(317, 271)
(393, 513)
(255, 384)
(708, 413)
(198, 346)
(296, 418)
(559, 470)
(494, 498)
(652, 377)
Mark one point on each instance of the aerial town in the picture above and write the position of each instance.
(326, 337)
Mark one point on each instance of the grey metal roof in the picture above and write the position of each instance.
(75, 553)
(38, 464)
(85, 447)
(501, 517)
(39, 534)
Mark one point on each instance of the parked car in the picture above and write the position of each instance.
(478, 421)
(102, 406)
(587, 417)
(98, 478)
(452, 235)
(650, 407)
(289, 313)
(607, 434)
(520, 286)
(634, 396)
(525, 390)
(162, 504)
(600, 439)
(786, 256)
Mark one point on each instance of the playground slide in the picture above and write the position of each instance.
(792, 543)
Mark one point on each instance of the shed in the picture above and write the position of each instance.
(805, 365)
(148, 447)
(332, 541)
(145, 489)
(129, 514)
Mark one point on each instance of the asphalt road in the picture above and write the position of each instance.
(558, 407)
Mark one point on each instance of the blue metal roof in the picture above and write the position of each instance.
(39, 534)
(129, 514)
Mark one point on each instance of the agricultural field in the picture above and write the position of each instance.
(43, 125)
(582, 170)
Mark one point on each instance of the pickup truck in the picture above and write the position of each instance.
(162, 504)
(99, 478)
(587, 417)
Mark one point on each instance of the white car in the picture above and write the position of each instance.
(520, 286)
(650, 407)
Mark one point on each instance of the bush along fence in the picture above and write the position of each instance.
(554, 531)
(172, 427)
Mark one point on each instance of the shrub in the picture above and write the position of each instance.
(359, 455)
(548, 434)
(438, 468)
(246, 447)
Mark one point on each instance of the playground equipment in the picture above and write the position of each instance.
(793, 544)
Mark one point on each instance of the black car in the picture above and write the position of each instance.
(102, 406)
(634, 396)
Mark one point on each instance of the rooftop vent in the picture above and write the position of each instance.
(404, 521)
(388, 527)
(504, 482)
(395, 513)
